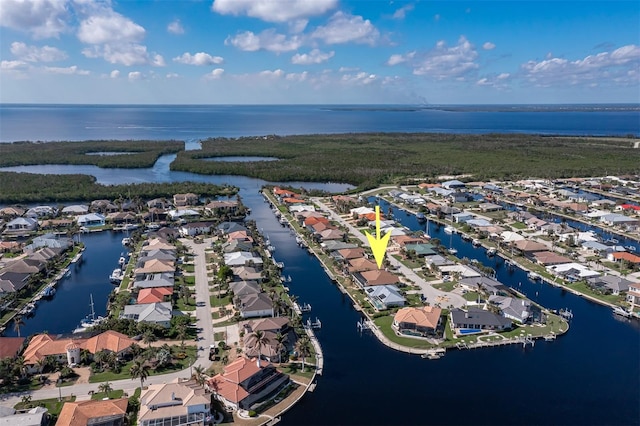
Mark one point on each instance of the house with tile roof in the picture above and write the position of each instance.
(155, 266)
(255, 305)
(154, 295)
(95, 413)
(345, 255)
(188, 199)
(10, 346)
(174, 403)
(376, 277)
(360, 264)
(245, 383)
(633, 294)
(423, 320)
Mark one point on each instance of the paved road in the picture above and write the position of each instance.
(129, 385)
(432, 295)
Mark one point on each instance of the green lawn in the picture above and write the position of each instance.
(189, 306)
(584, 288)
(448, 286)
(52, 405)
(385, 326)
(222, 301)
(471, 296)
(114, 394)
(190, 280)
(518, 225)
(188, 268)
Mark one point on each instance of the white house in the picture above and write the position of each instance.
(195, 228)
(22, 224)
(241, 258)
(157, 313)
(91, 219)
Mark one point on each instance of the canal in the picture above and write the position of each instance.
(591, 375)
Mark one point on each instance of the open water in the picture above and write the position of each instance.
(591, 375)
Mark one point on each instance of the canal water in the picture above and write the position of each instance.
(591, 375)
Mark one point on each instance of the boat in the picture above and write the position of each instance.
(49, 291)
(67, 273)
(421, 217)
(534, 276)
(622, 312)
(475, 242)
(449, 229)
(122, 261)
(305, 307)
(452, 251)
(90, 320)
(116, 276)
(289, 279)
(566, 313)
(630, 248)
(491, 252)
(280, 265)
(130, 227)
(126, 241)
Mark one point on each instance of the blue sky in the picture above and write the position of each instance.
(319, 51)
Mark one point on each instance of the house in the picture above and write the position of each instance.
(421, 250)
(331, 234)
(614, 219)
(478, 319)
(10, 346)
(361, 264)
(268, 350)
(385, 296)
(572, 271)
(155, 280)
(11, 211)
(37, 416)
(90, 220)
(237, 245)
(246, 382)
(164, 255)
(13, 281)
(182, 214)
(159, 313)
(188, 199)
(223, 207)
(246, 273)
(275, 325)
(174, 403)
(241, 288)
(423, 321)
(548, 258)
(453, 184)
(348, 254)
(75, 209)
(484, 285)
(255, 305)
(633, 294)
(334, 245)
(610, 284)
(528, 247)
(154, 295)
(40, 211)
(158, 203)
(242, 258)
(623, 256)
(228, 227)
(49, 240)
(462, 217)
(103, 206)
(109, 412)
(518, 310)
(462, 271)
(489, 207)
(65, 349)
(121, 217)
(21, 224)
(154, 266)
(195, 228)
(376, 277)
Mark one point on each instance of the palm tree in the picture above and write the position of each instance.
(303, 347)
(105, 388)
(181, 332)
(280, 339)
(148, 337)
(139, 370)
(17, 323)
(198, 374)
(19, 367)
(261, 340)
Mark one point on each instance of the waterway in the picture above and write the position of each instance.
(591, 375)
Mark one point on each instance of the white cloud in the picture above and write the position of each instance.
(488, 46)
(127, 54)
(297, 25)
(199, 59)
(275, 74)
(361, 78)
(442, 61)
(274, 10)
(266, 40)
(37, 54)
(109, 27)
(175, 27)
(344, 28)
(13, 65)
(618, 66)
(172, 75)
(40, 18)
(402, 12)
(298, 77)
(216, 74)
(499, 81)
(114, 74)
(72, 70)
(158, 61)
(135, 75)
(313, 57)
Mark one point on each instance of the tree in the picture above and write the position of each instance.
(198, 374)
(148, 337)
(181, 332)
(303, 347)
(26, 401)
(18, 322)
(105, 388)
(261, 340)
(280, 346)
(139, 370)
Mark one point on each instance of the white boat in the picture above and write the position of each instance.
(130, 227)
(449, 229)
(49, 291)
(90, 320)
(622, 312)
(126, 241)
(122, 260)
(630, 248)
(534, 276)
(452, 251)
(475, 242)
(491, 252)
(116, 276)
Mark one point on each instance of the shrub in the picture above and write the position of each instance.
(252, 413)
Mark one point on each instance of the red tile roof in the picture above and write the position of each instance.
(9, 346)
(153, 294)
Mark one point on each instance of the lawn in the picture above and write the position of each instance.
(584, 288)
(189, 306)
(114, 394)
(188, 268)
(448, 286)
(222, 301)
(190, 280)
(52, 405)
(518, 225)
(471, 296)
(384, 323)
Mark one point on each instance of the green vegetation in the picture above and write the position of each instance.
(137, 154)
(114, 394)
(448, 286)
(52, 405)
(384, 323)
(28, 188)
(377, 158)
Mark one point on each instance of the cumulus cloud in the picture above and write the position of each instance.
(109, 27)
(114, 74)
(361, 78)
(313, 57)
(298, 77)
(125, 54)
(199, 59)
(13, 65)
(135, 75)
(40, 18)
(172, 75)
(442, 61)
(72, 70)
(274, 11)
(499, 81)
(402, 12)
(618, 66)
(488, 46)
(266, 40)
(37, 54)
(345, 28)
(175, 27)
(158, 61)
(216, 74)
(275, 74)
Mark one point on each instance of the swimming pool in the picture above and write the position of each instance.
(469, 330)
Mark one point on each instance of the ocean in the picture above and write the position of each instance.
(193, 122)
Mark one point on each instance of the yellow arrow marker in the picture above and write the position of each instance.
(378, 244)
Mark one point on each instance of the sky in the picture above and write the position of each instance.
(319, 52)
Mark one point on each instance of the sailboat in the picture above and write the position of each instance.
(90, 320)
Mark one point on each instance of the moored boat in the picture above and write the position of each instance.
(491, 252)
(116, 276)
(622, 312)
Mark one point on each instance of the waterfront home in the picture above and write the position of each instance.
(156, 244)
(175, 403)
(109, 412)
(121, 217)
(158, 203)
(478, 319)
(195, 228)
(237, 245)
(421, 321)
(436, 261)
(348, 254)
(360, 264)
(90, 220)
(10, 346)
(255, 305)
(37, 416)
(154, 266)
(330, 234)
(615, 219)
(154, 295)
(188, 199)
(239, 236)
(41, 211)
(609, 284)
(13, 281)
(267, 351)
(484, 285)
(302, 208)
(284, 193)
(623, 256)
(242, 288)
(458, 270)
(276, 325)
(75, 209)
(453, 184)
(572, 271)
(376, 277)
(11, 212)
(633, 294)
(247, 273)
(246, 382)
(65, 349)
(549, 258)
(164, 255)
(421, 250)
(103, 206)
(334, 245)
(242, 258)
(155, 313)
(10, 247)
(385, 296)
(183, 214)
(56, 223)
(155, 280)
(528, 247)
(462, 217)
(223, 207)
(518, 310)
(51, 241)
(21, 225)
(228, 227)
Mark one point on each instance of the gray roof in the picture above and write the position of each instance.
(480, 317)
(611, 281)
(240, 258)
(236, 245)
(490, 285)
(149, 312)
(229, 227)
(241, 288)
(512, 307)
(32, 417)
(156, 280)
(333, 245)
(255, 302)
(387, 294)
